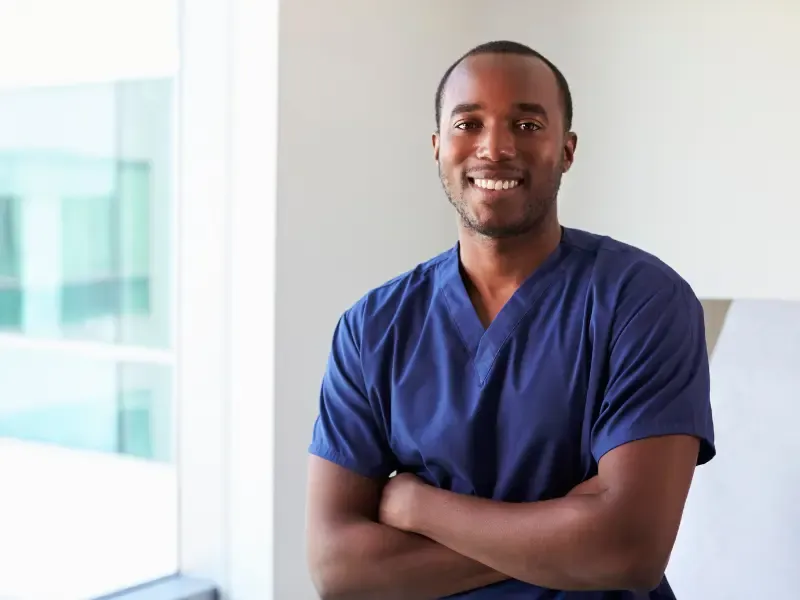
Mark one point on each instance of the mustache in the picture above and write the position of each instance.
(495, 172)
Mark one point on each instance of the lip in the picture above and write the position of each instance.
(493, 174)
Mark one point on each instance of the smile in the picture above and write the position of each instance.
(495, 184)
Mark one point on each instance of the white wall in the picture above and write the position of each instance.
(686, 123)
(359, 199)
(687, 120)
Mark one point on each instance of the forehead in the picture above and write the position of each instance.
(499, 81)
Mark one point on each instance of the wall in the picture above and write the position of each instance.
(715, 312)
(687, 124)
(358, 198)
(687, 130)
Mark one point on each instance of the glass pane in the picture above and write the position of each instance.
(85, 212)
(86, 450)
(96, 405)
(88, 499)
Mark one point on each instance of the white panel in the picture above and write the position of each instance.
(687, 120)
(54, 42)
(740, 536)
(88, 544)
(203, 263)
(253, 207)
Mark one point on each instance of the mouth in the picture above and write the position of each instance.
(495, 185)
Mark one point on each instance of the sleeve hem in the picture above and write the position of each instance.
(707, 449)
(325, 452)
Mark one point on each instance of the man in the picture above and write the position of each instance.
(542, 392)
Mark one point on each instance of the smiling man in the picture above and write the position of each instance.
(542, 392)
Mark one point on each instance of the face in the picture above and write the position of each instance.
(502, 146)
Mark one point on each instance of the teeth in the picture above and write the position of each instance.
(497, 184)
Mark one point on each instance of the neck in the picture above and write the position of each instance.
(495, 265)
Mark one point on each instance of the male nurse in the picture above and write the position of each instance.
(541, 391)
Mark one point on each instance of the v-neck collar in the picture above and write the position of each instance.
(482, 343)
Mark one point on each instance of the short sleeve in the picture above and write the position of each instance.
(348, 431)
(658, 378)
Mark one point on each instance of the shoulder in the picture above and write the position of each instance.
(412, 291)
(623, 269)
(625, 279)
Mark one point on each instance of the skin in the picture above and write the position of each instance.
(502, 116)
(353, 556)
(615, 532)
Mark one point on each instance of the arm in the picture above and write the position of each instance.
(352, 556)
(652, 428)
(615, 534)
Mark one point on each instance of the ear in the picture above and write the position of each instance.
(435, 140)
(570, 144)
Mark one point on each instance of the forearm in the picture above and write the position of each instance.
(571, 543)
(366, 560)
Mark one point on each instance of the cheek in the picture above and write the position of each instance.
(451, 171)
(454, 152)
(544, 158)
(452, 181)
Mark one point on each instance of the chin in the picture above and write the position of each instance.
(496, 220)
(500, 230)
(498, 227)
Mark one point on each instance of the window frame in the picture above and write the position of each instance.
(169, 588)
(227, 115)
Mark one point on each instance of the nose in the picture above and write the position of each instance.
(497, 143)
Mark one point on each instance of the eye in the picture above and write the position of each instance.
(529, 126)
(467, 125)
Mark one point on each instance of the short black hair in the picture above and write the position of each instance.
(507, 47)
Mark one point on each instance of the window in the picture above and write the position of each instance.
(87, 277)
(137, 298)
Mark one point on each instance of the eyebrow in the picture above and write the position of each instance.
(526, 107)
(534, 108)
(459, 109)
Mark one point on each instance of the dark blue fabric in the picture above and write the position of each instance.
(602, 345)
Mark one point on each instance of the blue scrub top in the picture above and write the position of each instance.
(602, 345)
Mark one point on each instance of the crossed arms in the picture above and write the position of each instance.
(403, 539)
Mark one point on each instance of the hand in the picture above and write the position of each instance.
(400, 501)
